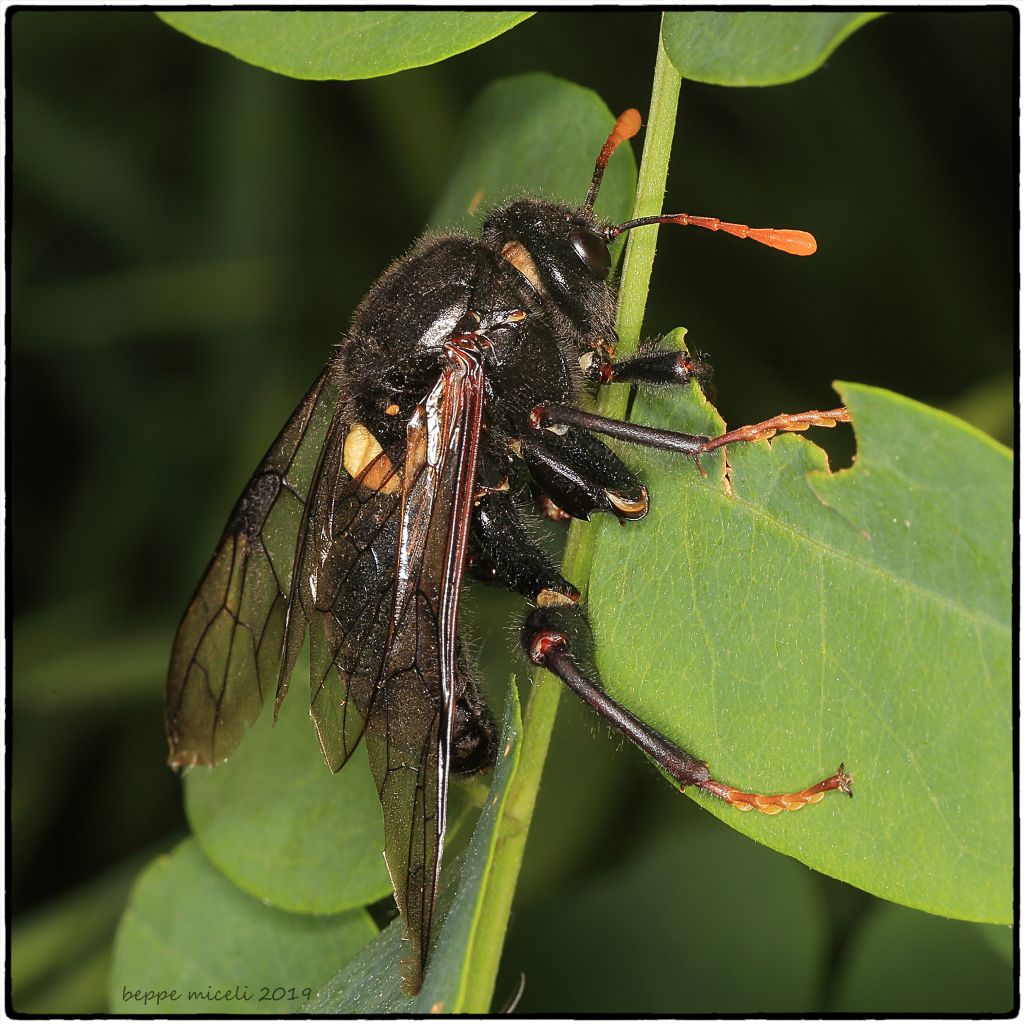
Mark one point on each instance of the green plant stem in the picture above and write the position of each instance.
(546, 689)
(650, 191)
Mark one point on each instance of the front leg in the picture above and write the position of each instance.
(660, 367)
(668, 368)
(559, 640)
(581, 475)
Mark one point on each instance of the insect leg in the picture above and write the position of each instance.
(545, 416)
(474, 746)
(669, 367)
(501, 544)
(559, 640)
(580, 475)
(786, 421)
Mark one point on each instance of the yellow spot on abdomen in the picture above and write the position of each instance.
(365, 460)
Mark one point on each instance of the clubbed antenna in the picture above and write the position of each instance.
(626, 127)
(797, 243)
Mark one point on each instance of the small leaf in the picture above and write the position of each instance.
(371, 984)
(281, 826)
(191, 943)
(806, 619)
(342, 44)
(551, 132)
(755, 47)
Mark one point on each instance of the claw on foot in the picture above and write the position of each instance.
(784, 422)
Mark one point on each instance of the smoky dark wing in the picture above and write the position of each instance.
(378, 583)
(410, 725)
(227, 653)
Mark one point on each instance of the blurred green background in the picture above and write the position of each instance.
(189, 236)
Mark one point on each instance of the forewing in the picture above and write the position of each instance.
(378, 583)
(228, 650)
(411, 718)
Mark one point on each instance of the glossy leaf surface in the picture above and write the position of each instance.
(189, 931)
(795, 619)
(342, 44)
(755, 47)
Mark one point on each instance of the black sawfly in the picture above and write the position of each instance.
(450, 403)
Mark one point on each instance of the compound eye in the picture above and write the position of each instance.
(591, 248)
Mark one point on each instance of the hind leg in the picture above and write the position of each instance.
(559, 640)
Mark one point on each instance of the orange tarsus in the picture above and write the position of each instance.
(842, 781)
(786, 421)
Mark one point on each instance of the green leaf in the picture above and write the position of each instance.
(789, 619)
(945, 967)
(190, 942)
(277, 822)
(550, 134)
(464, 962)
(756, 47)
(343, 44)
